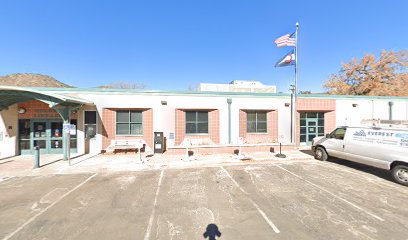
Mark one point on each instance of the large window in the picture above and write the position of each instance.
(129, 122)
(197, 122)
(256, 122)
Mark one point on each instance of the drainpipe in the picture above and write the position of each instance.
(390, 110)
(229, 101)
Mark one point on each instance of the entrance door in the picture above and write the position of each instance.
(311, 126)
(311, 129)
(90, 126)
(55, 137)
(40, 135)
(46, 134)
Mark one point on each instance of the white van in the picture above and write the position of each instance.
(382, 147)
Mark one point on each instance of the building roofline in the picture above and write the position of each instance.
(213, 94)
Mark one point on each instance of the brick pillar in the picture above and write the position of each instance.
(180, 126)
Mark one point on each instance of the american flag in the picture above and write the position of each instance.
(286, 40)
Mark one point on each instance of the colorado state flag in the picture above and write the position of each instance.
(287, 60)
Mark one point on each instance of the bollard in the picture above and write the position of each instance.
(36, 157)
(280, 155)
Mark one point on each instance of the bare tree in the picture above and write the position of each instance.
(386, 75)
(124, 85)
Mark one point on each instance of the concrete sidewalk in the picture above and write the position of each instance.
(22, 165)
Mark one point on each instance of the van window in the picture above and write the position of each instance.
(338, 133)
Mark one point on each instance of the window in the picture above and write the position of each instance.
(129, 122)
(197, 122)
(338, 133)
(73, 138)
(256, 122)
(90, 124)
(24, 133)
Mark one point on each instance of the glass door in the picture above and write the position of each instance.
(46, 134)
(311, 129)
(56, 137)
(24, 139)
(311, 126)
(39, 135)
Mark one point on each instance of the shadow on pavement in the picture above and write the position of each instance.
(384, 174)
(212, 232)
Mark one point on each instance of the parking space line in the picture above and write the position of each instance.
(149, 226)
(372, 180)
(334, 195)
(48, 207)
(265, 217)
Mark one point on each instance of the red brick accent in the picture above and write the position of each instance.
(228, 149)
(253, 138)
(317, 105)
(328, 106)
(213, 128)
(109, 127)
(39, 110)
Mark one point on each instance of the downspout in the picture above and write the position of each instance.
(390, 104)
(229, 101)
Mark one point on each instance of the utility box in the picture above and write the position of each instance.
(159, 142)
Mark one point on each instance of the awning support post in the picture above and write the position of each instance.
(65, 113)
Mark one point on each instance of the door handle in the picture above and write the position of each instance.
(343, 146)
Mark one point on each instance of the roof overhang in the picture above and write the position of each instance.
(10, 95)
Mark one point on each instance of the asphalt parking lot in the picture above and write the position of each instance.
(293, 200)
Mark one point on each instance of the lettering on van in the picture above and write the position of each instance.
(377, 137)
(384, 134)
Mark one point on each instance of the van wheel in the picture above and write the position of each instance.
(321, 154)
(400, 174)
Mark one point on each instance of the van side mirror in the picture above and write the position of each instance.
(327, 135)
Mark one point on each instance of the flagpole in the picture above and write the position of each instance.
(296, 88)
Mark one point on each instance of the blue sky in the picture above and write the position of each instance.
(170, 45)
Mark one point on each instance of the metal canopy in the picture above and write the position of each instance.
(64, 105)
(11, 95)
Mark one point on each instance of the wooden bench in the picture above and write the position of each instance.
(130, 144)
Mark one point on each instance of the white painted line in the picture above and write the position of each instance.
(361, 173)
(149, 227)
(334, 195)
(45, 209)
(265, 217)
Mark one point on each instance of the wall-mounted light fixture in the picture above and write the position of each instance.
(21, 110)
(354, 104)
(163, 102)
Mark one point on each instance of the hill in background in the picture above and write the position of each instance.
(31, 80)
